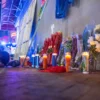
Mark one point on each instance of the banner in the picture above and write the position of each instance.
(62, 8)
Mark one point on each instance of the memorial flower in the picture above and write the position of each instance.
(94, 42)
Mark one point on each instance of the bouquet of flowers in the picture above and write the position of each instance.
(97, 28)
(68, 45)
(94, 43)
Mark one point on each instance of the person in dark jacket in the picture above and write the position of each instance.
(4, 57)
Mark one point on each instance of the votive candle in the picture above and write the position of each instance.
(33, 60)
(85, 60)
(67, 61)
(54, 59)
(37, 59)
(44, 61)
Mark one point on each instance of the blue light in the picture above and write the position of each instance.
(13, 43)
(3, 43)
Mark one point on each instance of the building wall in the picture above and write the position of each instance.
(82, 13)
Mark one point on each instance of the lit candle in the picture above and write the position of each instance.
(44, 61)
(68, 61)
(33, 60)
(54, 58)
(26, 60)
(37, 59)
(21, 60)
(85, 60)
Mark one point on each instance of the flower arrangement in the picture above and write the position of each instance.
(94, 43)
(97, 28)
(68, 44)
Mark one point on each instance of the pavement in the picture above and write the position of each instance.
(31, 84)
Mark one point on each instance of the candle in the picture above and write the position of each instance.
(67, 61)
(85, 62)
(33, 60)
(22, 59)
(54, 58)
(44, 61)
(37, 59)
(26, 60)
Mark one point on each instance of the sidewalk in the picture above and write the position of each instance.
(30, 84)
